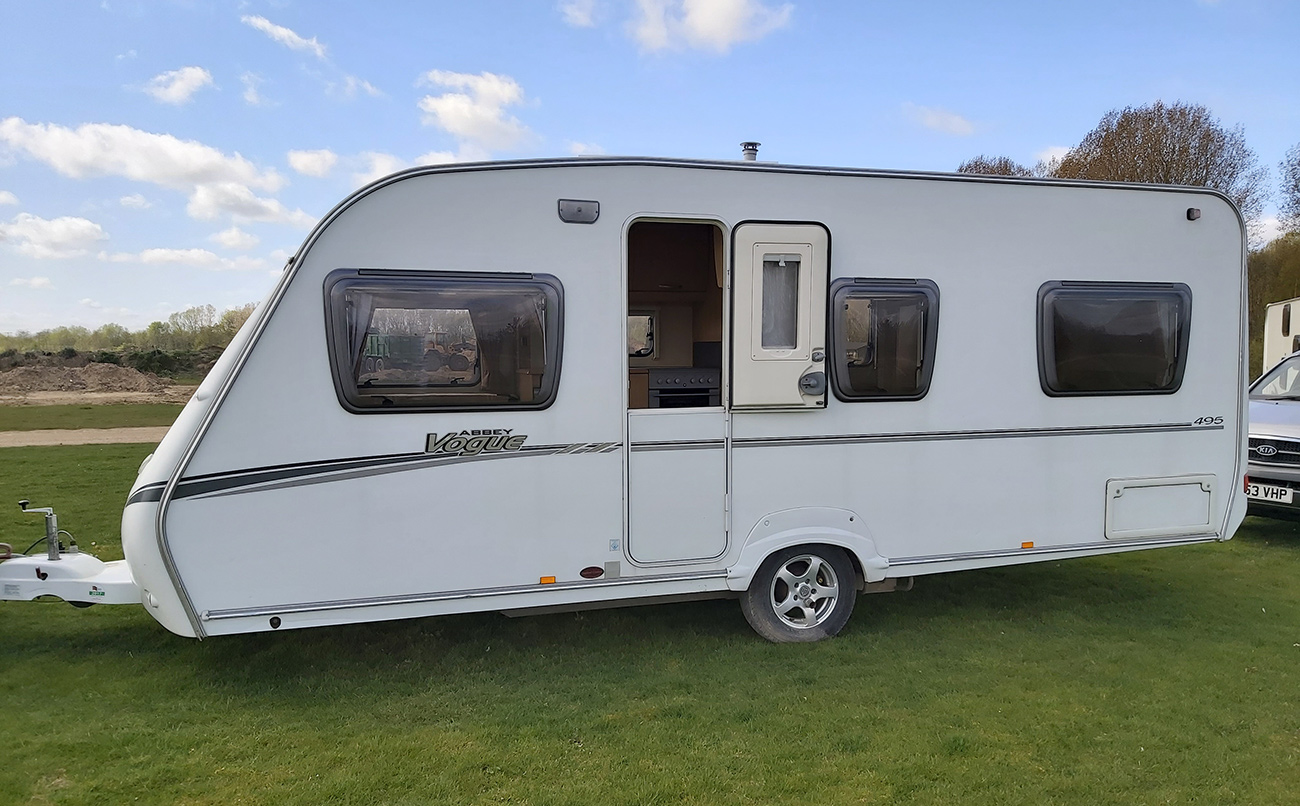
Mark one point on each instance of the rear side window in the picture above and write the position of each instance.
(1112, 338)
(426, 341)
(883, 338)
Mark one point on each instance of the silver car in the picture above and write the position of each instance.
(1274, 470)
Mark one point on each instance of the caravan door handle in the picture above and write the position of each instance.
(813, 384)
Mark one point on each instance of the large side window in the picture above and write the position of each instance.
(424, 341)
(883, 338)
(1112, 338)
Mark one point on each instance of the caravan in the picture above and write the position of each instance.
(584, 382)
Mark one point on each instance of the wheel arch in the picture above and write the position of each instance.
(807, 526)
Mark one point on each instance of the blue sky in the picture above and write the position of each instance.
(158, 155)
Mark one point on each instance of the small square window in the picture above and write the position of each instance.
(883, 338)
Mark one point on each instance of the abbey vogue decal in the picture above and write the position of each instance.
(474, 442)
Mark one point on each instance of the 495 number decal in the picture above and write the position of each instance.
(1208, 421)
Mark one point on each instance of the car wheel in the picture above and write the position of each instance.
(804, 593)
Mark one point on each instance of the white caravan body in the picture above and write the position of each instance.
(727, 361)
(1281, 336)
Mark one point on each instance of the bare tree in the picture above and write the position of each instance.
(993, 166)
(1289, 209)
(1170, 144)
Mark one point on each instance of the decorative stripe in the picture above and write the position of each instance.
(949, 436)
(278, 477)
(683, 445)
(480, 593)
(286, 476)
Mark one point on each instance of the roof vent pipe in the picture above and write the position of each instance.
(750, 150)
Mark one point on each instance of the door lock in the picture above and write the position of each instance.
(813, 384)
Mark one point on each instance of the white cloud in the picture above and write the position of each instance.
(435, 158)
(216, 183)
(579, 13)
(235, 238)
(32, 282)
(939, 120)
(316, 163)
(121, 57)
(104, 149)
(714, 25)
(376, 166)
(66, 236)
(476, 117)
(178, 86)
(1265, 230)
(285, 36)
(1052, 153)
(197, 258)
(252, 96)
(105, 309)
(211, 200)
(584, 149)
(7, 198)
(350, 86)
(136, 201)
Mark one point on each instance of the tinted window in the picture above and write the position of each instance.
(425, 341)
(1106, 339)
(883, 337)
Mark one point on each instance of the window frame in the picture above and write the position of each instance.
(883, 287)
(1136, 291)
(337, 335)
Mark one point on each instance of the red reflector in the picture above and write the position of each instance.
(1245, 484)
(592, 572)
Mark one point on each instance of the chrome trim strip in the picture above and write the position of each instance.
(425, 598)
(944, 436)
(1073, 547)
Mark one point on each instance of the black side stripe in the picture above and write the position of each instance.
(283, 476)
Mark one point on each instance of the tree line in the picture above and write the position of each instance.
(1184, 144)
(191, 329)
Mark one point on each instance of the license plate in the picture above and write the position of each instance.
(1267, 492)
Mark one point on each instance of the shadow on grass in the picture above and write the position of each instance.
(1129, 591)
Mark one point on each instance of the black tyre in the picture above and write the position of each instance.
(432, 361)
(804, 593)
(457, 362)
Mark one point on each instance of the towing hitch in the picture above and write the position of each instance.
(65, 573)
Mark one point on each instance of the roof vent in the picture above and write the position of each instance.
(750, 151)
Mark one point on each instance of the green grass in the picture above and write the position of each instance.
(1167, 676)
(33, 418)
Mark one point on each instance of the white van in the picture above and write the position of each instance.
(680, 379)
(1281, 337)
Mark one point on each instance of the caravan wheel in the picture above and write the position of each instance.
(805, 593)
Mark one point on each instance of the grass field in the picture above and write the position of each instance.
(1158, 677)
(34, 418)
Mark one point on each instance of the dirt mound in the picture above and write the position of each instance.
(90, 378)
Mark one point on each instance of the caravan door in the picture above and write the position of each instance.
(779, 317)
(677, 425)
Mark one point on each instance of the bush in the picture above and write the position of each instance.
(68, 352)
(155, 361)
(105, 357)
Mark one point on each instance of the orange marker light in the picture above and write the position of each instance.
(1028, 545)
(548, 580)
